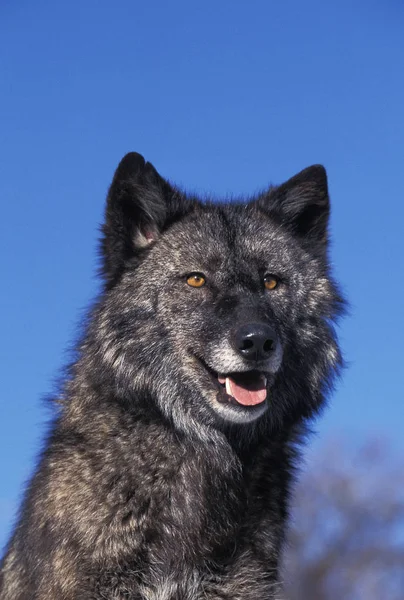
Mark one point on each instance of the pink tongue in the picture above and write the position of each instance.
(252, 393)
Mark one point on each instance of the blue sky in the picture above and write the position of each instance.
(222, 97)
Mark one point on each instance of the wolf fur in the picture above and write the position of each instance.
(154, 484)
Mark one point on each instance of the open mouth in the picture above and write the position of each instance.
(245, 389)
(242, 389)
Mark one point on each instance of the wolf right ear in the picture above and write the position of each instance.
(139, 205)
(301, 204)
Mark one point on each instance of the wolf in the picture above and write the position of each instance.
(168, 468)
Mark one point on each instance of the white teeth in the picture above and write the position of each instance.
(265, 381)
(228, 386)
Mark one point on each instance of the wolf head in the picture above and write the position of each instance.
(216, 313)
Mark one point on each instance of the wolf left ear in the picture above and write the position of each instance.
(140, 203)
(301, 204)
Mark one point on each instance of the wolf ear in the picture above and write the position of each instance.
(139, 205)
(302, 203)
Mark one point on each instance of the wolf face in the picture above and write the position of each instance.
(218, 312)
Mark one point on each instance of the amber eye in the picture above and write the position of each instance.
(196, 280)
(270, 282)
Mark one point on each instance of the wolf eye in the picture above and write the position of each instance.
(270, 282)
(196, 280)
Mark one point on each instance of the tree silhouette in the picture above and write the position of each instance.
(346, 540)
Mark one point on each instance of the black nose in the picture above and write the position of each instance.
(255, 341)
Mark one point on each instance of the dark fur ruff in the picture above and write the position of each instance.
(148, 488)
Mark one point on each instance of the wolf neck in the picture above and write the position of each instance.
(180, 480)
(192, 494)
